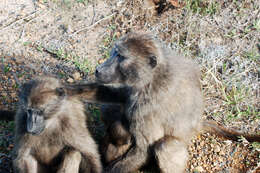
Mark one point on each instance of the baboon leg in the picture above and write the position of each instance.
(71, 162)
(171, 155)
(28, 164)
(84, 143)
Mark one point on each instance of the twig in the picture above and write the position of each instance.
(91, 26)
(24, 26)
(7, 26)
(94, 14)
(34, 13)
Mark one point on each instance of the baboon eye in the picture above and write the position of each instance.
(60, 91)
(121, 58)
(153, 61)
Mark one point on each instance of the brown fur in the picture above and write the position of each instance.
(162, 99)
(165, 100)
(65, 139)
(165, 104)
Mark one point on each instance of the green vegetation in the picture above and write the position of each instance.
(203, 7)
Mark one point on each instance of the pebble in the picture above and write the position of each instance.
(101, 61)
(216, 149)
(199, 169)
(4, 94)
(70, 80)
(76, 76)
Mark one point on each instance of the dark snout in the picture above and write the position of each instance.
(35, 122)
(106, 72)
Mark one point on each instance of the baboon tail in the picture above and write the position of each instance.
(220, 130)
(7, 115)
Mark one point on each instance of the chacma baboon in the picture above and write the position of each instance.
(162, 99)
(51, 133)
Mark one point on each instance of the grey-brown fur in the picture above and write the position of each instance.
(162, 100)
(165, 100)
(164, 105)
(65, 143)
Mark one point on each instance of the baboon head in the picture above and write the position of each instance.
(41, 97)
(132, 61)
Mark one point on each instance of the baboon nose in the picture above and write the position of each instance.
(97, 72)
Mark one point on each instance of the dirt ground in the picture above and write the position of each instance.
(68, 38)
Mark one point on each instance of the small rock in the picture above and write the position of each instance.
(216, 149)
(76, 76)
(222, 153)
(221, 159)
(70, 80)
(13, 95)
(101, 61)
(4, 94)
(198, 169)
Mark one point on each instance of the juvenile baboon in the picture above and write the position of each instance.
(51, 133)
(162, 99)
(117, 139)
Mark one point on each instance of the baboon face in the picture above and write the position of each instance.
(42, 101)
(132, 59)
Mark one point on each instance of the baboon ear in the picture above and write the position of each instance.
(153, 61)
(60, 91)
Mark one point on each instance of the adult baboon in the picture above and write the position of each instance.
(162, 100)
(51, 133)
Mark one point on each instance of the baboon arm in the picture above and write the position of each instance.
(27, 164)
(84, 143)
(70, 163)
(98, 93)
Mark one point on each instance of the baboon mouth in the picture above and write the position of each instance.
(38, 132)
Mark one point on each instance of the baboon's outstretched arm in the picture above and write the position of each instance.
(98, 93)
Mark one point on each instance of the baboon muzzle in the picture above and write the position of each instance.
(35, 122)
